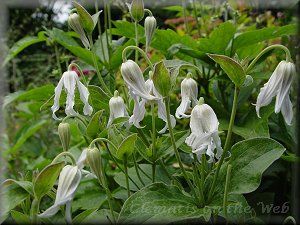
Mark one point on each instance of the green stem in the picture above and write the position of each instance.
(184, 16)
(126, 175)
(226, 191)
(34, 211)
(153, 142)
(57, 59)
(96, 66)
(75, 116)
(108, 193)
(68, 213)
(141, 51)
(227, 143)
(143, 136)
(196, 17)
(285, 49)
(106, 25)
(100, 34)
(167, 104)
(137, 170)
(136, 40)
(198, 183)
(148, 11)
(163, 166)
(64, 154)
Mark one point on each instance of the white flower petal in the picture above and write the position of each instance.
(57, 92)
(138, 112)
(82, 159)
(70, 84)
(182, 108)
(162, 114)
(84, 97)
(287, 110)
(117, 109)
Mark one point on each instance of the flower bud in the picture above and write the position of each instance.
(64, 135)
(248, 81)
(74, 23)
(150, 26)
(116, 108)
(162, 79)
(86, 19)
(94, 160)
(136, 10)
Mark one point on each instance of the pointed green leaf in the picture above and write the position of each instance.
(126, 147)
(162, 79)
(26, 185)
(21, 45)
(80, 217)
(161, 203)
(86, 19)
(233, 69)
(95, 18)
(46, 179)
(94, 124)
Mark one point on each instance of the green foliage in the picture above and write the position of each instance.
(159, 202)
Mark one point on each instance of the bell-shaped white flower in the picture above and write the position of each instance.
(150, 26)
(278, 85)
(117, 108)
(189, 92)
(204, 138)
(69, 80)
(68, 182)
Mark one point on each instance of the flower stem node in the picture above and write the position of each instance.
(189, 92)
(204, 138)
(150, 26)
(69, 80)
(136, 9)
(93, 157)
(64, 135)
(279, 85)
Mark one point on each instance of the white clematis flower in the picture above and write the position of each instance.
(117, 108)
(68, 182)
(69, 80)
(278, 85)
(204, 138)
(189, 92)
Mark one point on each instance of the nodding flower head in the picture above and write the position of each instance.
(69, 80)
(204, 138)
(74, 23)
(189, 92)
(134, 80)
(278, 85)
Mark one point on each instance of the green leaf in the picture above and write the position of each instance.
(86, 19)
(219, 39)
(162, 79)
(80, 217)
(126, 147)
(94, 124)
(11, 196)
(253, 37)
(64, 39)
(102, 216)
(25, 135)
(95, 18)
(22, 44)
(19, 217)
(120, 120)
(249, 159)
(161, 203)
(99, 98)
(26, 185)
(46, 179)
(234, 70)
